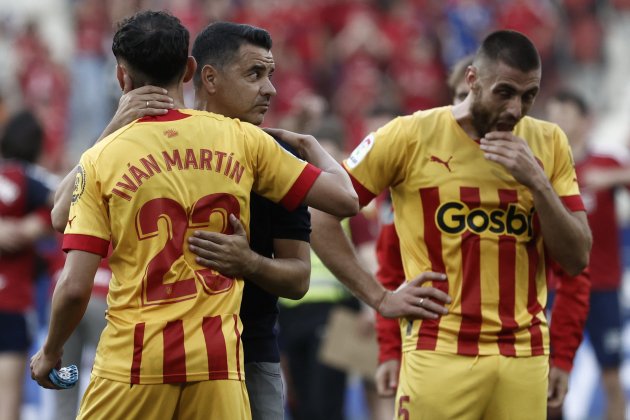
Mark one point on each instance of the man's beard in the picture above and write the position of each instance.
(482, 120)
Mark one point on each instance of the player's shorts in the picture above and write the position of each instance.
(217, 399)
(15, 335)
(603, 326)
(440, 386)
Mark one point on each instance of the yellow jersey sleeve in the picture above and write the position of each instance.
(379, 160)
(564, 179)
(88, 227)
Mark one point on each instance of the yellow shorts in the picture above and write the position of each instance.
(441, 386)
(217, 399)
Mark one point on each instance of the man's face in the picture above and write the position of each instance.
(503, 95)
(568, 116)
(461, 91)
(244, 87)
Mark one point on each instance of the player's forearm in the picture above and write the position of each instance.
(63, 199)
(283, 277)
(68, 307)
(335, 250)
(566, 234)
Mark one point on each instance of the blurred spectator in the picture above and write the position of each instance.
(603, 324)
(89, 105)
(24, 218)
(44, 88)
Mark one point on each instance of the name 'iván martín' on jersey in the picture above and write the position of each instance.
(202, 159)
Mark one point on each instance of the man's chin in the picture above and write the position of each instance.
(505, 127)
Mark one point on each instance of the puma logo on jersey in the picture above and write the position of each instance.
(442, 162)
(71, 220)
(170, 133)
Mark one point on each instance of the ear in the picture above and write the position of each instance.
(191, 66)
(209, 78)
(470, 76)
(120, 75)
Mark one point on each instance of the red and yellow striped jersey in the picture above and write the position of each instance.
(147, 188)
(460, 214)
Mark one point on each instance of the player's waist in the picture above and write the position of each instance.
(468, 337)
(173, 351)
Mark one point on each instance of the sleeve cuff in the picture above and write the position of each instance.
(85, 243)
(365, 195)
(565, 364)
(573, 202)
(300, 188)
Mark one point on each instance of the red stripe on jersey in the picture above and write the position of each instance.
(171, 115)
(365, 195)
(138, 344)
(507, 282)
(215, 347)
(533, 306)
(300, 187)
(174, 368)
(470, 329)
(573, 202)
(430, 198)
(85, 243)
(238, 346)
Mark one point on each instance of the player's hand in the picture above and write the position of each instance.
(601, 179)
(558, 386)
(228, 254)
(415, 301)
(300, 142)
(514, 154)
(386, 378)
(141, 102)
(41, 365)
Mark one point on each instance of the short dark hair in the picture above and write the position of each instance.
(220, 41)
(568, 96)
(510, 47)
(22, 138)
(154, 45)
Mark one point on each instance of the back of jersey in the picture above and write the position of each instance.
(148, 187)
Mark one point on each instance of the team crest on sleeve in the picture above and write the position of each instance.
(79, 184)
(361, 151)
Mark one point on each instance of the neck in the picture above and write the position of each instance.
(463, 116)
(177, 93)
(203, 103)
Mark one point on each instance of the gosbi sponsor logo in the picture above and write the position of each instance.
(454, 218)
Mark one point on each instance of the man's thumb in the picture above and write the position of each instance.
(237, 225)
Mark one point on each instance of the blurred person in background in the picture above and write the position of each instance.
(448, 169)
(604, 325)
(25, 200)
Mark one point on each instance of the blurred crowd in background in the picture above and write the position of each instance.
(338, 61)
(341, 65)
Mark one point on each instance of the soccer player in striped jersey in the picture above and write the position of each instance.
(569, 310)
(483, 194)
(172, 345)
